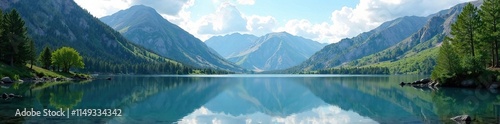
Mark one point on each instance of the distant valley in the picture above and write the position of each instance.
(274, 51)
(232, 44)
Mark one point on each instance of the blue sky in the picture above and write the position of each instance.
(326, 21)
(292, 9)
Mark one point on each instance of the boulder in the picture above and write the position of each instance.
(425, 80)
(77, 77)
(57, 79)
(464, 119)
(11, 95)
(46, 79)
(467, 83)
(417, 82)
(494, 86)
(422, 81)
(5, 95)
(7, 80)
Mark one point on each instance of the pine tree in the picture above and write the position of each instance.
(3, 43)
(45, 58)
(447, 61)
(467, 41)
(31, 52)
(490, 15)
(465, 31)
(15, 39)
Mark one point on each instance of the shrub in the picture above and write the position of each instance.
(16, 77)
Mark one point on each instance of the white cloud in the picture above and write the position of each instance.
(318, 32)
(367, 15)
(260, 25)
(246, 2)
(226, 19)
(183, 17)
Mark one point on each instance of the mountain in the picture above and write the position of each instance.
(57, 23)
(276, 51)
(232, 44)
(418, 52)
(376, 40)
(145, 27)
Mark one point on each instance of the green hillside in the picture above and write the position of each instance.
(420, 59)
(57, 23)
(421, 63)
(386, 35)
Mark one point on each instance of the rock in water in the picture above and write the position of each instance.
(467, 83)
(11, 95)
(463, 119)
(5, 95)
(425, 80)
(7, 80)
(493, 86)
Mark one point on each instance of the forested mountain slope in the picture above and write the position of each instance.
(376, 40)
(57, 23)
(146, 27)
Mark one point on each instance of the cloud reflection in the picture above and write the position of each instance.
(326, 114)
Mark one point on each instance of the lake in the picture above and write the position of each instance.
(235, 99)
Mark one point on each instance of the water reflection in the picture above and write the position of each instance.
(271, 100)
(250, 99)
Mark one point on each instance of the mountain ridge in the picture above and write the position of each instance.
(348, 49)
(275, 51)
(231, 44)
(145, 27)
(416, 47)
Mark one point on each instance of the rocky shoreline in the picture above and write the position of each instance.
(468, 83)
(428, 84)
(37, 80)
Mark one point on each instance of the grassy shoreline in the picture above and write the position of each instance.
(26, 72)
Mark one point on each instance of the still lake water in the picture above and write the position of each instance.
(236, 99)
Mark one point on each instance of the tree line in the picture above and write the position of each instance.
(61, 59)
(354, 70)
(18, 49)
(473, 44)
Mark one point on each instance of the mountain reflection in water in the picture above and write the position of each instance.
(255, 99)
